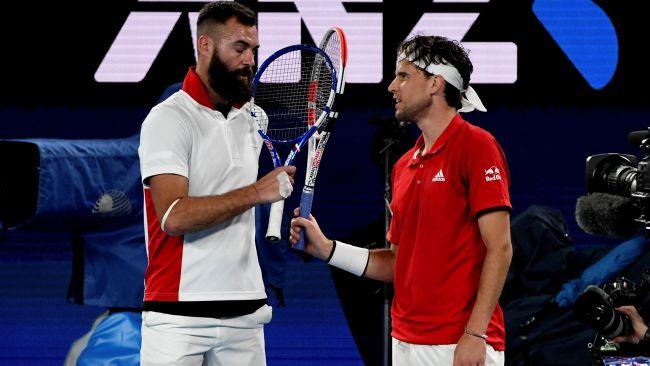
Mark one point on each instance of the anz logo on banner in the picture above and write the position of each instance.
(581, 29)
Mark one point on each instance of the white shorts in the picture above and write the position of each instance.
(185, 340)
(407, 354)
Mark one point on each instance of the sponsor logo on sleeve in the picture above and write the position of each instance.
(492, 174)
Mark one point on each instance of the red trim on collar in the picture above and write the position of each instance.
(193, 85)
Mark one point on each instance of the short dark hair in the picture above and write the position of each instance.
(219, 12)
(433, 49)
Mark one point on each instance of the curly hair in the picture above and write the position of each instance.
(435, 49)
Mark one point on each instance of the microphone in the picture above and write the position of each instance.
(607, 215)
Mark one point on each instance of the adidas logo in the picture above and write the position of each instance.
(439, 177)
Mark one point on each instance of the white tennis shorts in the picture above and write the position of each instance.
(185, 340)
(407, 354)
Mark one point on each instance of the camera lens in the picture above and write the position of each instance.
(594, 308)
(611, 173)
(621, 180)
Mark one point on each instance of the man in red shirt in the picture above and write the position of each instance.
(450, 222)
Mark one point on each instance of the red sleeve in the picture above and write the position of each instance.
(487, 175)
(393, 231)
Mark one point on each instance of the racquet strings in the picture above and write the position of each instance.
(292, 90)
(332, 48)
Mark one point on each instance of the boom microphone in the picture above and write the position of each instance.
(607, 215)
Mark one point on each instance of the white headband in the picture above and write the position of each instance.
(470, 101)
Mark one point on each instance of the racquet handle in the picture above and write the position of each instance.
(275, 222)
(305, 209)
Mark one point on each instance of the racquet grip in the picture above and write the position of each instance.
(275, 222)
(305, 209)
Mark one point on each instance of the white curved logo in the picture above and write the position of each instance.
(113, 203)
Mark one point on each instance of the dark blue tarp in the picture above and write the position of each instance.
(92, 188)
(602, 271)
(89, 180)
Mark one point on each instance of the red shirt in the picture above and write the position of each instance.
(436, 199)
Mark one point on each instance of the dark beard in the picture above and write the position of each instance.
(228, 84)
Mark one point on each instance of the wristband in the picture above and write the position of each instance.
(164, 219)
(349, 258)
(473, 333)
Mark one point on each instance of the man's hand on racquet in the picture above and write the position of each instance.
(273, 187)
(317, 244)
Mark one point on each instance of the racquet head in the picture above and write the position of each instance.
(293, 90)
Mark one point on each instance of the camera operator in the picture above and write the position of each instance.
(639, 327)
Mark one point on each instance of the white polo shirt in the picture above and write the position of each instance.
(218, 154)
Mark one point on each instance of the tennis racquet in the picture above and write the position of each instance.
(293, 92)
(335, 46)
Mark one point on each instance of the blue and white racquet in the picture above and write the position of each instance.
(293, 92)
(335, 46)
